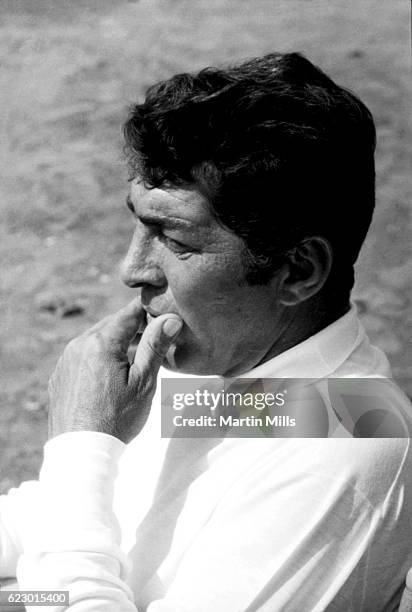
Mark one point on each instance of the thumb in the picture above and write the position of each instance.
(154, 344)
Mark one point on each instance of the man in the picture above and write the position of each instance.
(252, 190)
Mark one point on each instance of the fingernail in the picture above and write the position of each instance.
(172, 326)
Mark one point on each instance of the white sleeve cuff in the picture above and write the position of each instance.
(76, 491)
(91, 440)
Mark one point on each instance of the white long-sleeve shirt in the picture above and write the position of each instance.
(222, 525)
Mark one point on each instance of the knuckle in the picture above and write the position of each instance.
(73, 345)
(100, 344)
(147, 384)
(83, 346)
(94, 342)
(155, 347)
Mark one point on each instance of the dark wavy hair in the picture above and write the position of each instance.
(281, 152)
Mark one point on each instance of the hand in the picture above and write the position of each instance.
(95, 388)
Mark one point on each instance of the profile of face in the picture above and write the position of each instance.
(184, 262)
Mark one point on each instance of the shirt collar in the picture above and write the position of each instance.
(317, 357)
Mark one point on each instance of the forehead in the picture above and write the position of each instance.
(187, 204)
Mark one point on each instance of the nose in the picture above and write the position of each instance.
(140, 267)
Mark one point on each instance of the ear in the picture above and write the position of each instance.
(305, 271)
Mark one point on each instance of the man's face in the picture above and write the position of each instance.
(186, 263)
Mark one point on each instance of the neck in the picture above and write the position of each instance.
(301, 323)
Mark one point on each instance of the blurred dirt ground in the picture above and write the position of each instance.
(68, 72)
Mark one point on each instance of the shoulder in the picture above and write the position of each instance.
(368, 469)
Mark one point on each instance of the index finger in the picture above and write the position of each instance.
(109, 319)
(124, 325)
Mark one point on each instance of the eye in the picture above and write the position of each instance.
(175, 245)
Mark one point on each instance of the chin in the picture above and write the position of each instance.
(187, 362)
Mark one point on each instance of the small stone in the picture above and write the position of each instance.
(72, 310)
(60, 304)
(93, 271)
(32, 406)
(356, 54)
(49, 302)
(50, 241)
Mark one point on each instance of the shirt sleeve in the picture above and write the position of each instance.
(15, 521)
(75, 543)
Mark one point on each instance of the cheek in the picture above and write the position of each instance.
(206, 291)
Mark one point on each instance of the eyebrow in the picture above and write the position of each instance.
(166, 222)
